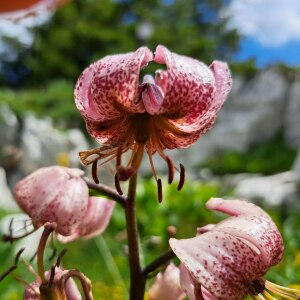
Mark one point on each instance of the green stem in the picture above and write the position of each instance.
(48, 229)
(137, 279)
(158, 262)
(107, 191)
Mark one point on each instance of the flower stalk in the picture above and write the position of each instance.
(137, 279)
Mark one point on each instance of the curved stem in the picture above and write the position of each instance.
(107, 191)
(49, 228)
(137, 279)
(161, 260)
(85, 283)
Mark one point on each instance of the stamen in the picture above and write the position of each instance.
(94, 171)
(181, 178)
(13, 267)
(170, 169)
(30, 268)
(125, 172)
(289, 293)
(152, 165)
(118, 184)
(267, 295)
(51, 277)
(159, 190)
(119, 157)
(60, 256)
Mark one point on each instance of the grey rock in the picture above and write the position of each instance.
(273, 190)
(44, 145)
(7, 201)
(296, 166)
(292, 115)
(253, 113)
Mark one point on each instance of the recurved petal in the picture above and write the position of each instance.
(67, 208)
(252, 224)
(95, 221)
(109, 87)
(191, 85)
(235, 207)
(39, 188)
(167, 285)
(222, 263)
(223, 83)
(187, 282)
(114, 132)
(260, 232)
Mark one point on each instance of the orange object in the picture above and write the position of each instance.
(15, 5)
(21, 8)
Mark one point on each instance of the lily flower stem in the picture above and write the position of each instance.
(158, 262)
(48, 229)
(137, 279)
(107, 191)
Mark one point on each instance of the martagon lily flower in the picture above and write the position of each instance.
(171, 110)
(228, 260)
(58, 194)
(167, 285)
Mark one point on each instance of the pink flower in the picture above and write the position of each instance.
(228, 260)
(167, 285)
(172, 110)
(62, 286)
(60, 195)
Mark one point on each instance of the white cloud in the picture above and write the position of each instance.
(271, 22)
(20, 31)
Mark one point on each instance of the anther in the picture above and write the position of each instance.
(125, 172)
(94, 171)
(181, 178)
(159, 190)
(118, 184)
(60, 256)
(12, 268)
(170, 169)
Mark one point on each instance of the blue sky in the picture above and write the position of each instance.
(288, 53)
(271, 30)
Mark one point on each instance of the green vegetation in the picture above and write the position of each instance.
(269, 158)
(104, 261)
(54, 100)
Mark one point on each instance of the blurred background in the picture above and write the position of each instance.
(252, 152)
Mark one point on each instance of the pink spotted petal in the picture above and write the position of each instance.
(194, 96)
(95, 222)
(167, 285)
(235, 207)
(207, 295)
(54, 194)
(260, 232)
(109, 88)
(152, 95)
(253, 225)
(219, 262)
(161, 79)
(191, 84)
(223, 83)
(187, 282)
(115, 132)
